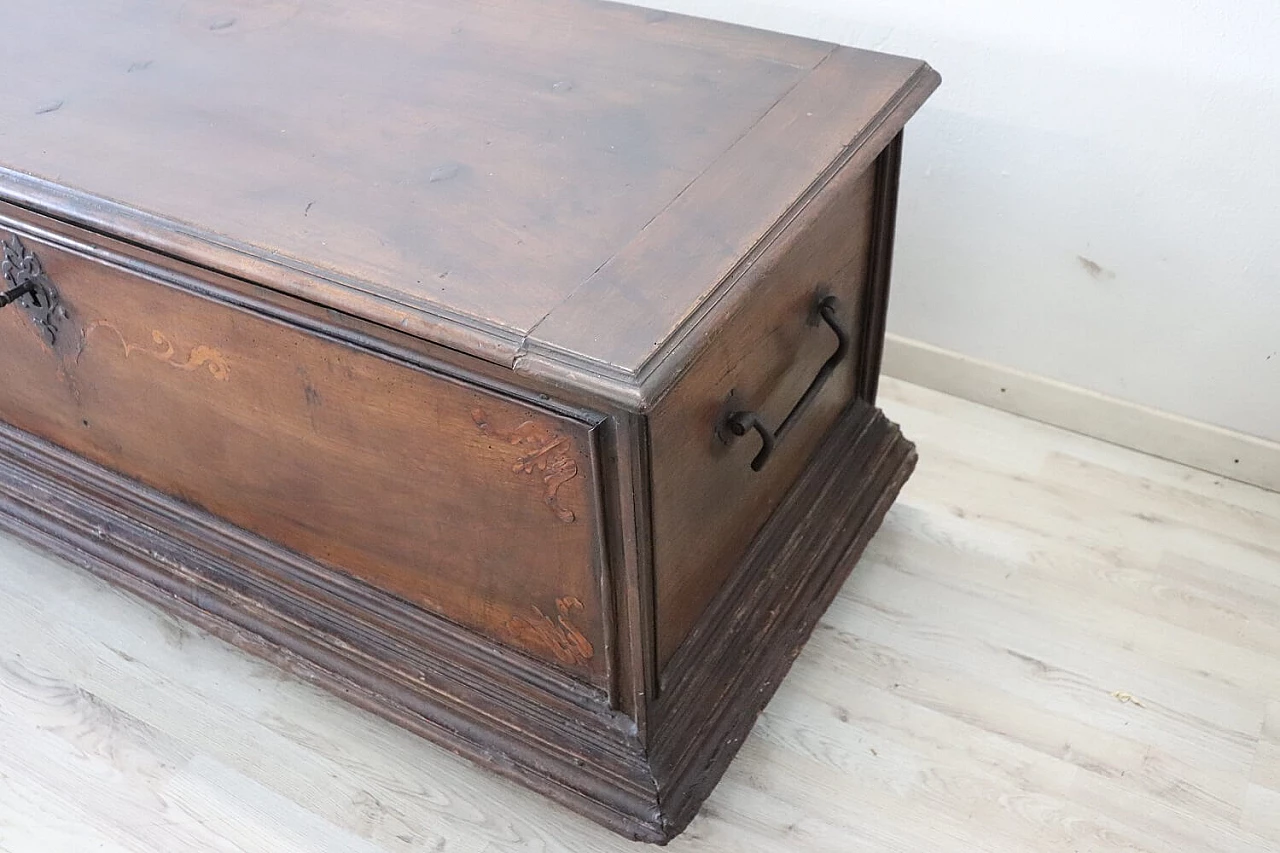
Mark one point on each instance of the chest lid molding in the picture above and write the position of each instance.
(503, 179)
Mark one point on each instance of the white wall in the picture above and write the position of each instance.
(1093, 195)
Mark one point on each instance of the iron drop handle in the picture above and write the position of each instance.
(739, 423)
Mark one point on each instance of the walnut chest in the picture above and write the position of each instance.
(508, 368)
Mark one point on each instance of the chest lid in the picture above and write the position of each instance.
(534, 182)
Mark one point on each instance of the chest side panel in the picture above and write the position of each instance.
(466, 502)
(707, 502)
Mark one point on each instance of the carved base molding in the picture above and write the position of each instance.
(492, 705)
(729, 667)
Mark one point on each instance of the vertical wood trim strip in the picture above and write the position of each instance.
(888, 169)
(644, 542)
(628, 535)
(602, 558)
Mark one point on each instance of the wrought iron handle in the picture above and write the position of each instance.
(739, 423)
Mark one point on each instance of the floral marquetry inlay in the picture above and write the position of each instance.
(558, 637)
(543, 452)
(162, 349)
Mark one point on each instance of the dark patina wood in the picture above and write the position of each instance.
(398, 343)
(347, 456)
(708, 502)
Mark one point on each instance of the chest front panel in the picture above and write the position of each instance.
(468, 503)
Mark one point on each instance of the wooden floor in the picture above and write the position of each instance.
(1053, 645)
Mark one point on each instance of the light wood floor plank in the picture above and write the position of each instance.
(36, 817)
(1053, 645)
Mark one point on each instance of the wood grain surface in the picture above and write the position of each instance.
(481, 158)
(368, 466)
(1052, 645)
(707, 502)
(703, 246)
(391, 344)
(453, 168)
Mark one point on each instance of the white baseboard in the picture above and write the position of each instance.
(1200, 445)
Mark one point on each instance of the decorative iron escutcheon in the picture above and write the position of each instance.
(30, 289)
(738, 423)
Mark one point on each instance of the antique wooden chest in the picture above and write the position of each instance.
(508, 367)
